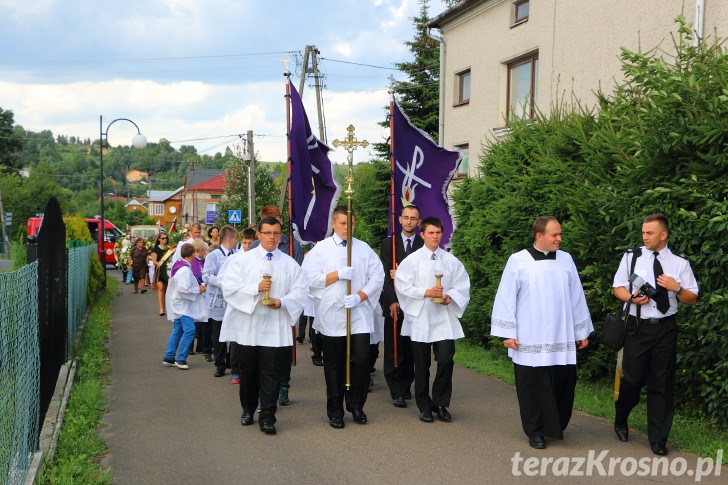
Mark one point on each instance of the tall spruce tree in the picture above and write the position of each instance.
(418, 94)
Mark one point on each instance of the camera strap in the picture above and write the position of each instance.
(636, 253)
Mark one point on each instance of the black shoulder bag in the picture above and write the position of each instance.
(615, 324)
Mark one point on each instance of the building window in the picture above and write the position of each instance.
(522, 88)
(463, 87)
(157, 209)
(211, 207)
(521, 10)
(464, 166)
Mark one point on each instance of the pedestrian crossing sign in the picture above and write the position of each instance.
(234, 217)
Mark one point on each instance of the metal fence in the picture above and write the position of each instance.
(79, 254)
(42, 306)
(19, 372)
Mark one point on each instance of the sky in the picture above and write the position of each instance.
(200, 72)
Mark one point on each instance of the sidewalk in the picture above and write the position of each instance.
(170, 426)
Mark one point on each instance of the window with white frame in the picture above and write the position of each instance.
(464, 166)
(522, 88)
(463, 79)
(156, 209)
(212, 207)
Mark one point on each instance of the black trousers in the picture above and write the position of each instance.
(260, 375)
(442, 384)
(234, 358)
(649, 357)
(219, 349)
(302, 324)
(400, 378)
(206, 331)
(334, 349)
(545, 398)
(316, 343)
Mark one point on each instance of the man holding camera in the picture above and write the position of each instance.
(649, 352)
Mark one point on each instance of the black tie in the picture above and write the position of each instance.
(343, 243)
(408, 249)
(433, 257)
(661, 299)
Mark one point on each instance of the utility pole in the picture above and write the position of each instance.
(251, 178)
(312, 53)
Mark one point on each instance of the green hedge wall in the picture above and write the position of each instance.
(658, 143)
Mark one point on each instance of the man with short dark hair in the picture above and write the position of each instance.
(399, 377)
(649, 354)
(262, 329)
(284, 247)
(541, 314)
(213, 297)
(432, 310)
(327, 274)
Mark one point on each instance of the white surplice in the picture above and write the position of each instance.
(327, 256)
(183, 296)
(246, 320)
(425, 321)
(542, 304)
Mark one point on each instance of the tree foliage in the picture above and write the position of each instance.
(267, 190)
(658, 144)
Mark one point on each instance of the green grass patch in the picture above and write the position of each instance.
(693, 434)
(80, 449)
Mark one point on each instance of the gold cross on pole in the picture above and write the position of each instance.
(350, 143)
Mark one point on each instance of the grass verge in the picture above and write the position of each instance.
(80, 448)
(689, 433)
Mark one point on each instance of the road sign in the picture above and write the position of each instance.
(211, 217)
(8, 218)
(234, 216)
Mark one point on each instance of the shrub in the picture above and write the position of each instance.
(658, 145)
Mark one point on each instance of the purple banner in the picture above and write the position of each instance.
(314, 191)
(422, 173)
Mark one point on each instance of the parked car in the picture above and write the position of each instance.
(105, 247)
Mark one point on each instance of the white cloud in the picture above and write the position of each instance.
(189, 110)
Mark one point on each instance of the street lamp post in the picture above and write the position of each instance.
(138, 141)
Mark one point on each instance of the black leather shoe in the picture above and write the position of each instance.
(622, 433)
(299, 340)
(268, 428)
(336, 423)
(246, 419)
(442, 413)
(426, 417)
(317, 361)
(219, 372)
(399, 402)
(537, 442)
(359, 416)
(659, 449)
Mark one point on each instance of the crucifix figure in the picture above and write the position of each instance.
(350, 143)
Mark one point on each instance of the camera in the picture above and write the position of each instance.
(644, 287)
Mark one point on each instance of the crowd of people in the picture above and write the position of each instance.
(241, 296)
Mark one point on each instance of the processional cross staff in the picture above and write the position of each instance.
(350, 143)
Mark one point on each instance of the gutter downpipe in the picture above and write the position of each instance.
(699, 21)
(441, 109)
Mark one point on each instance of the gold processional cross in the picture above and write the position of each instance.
(350, 143)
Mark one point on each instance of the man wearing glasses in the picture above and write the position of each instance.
(262, 329)
(399, 378)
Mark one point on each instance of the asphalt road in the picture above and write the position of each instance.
(166, 425)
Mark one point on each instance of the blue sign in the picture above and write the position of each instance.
(234, 217)
(211, 217)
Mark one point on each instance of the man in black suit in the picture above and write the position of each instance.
(400, 378)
